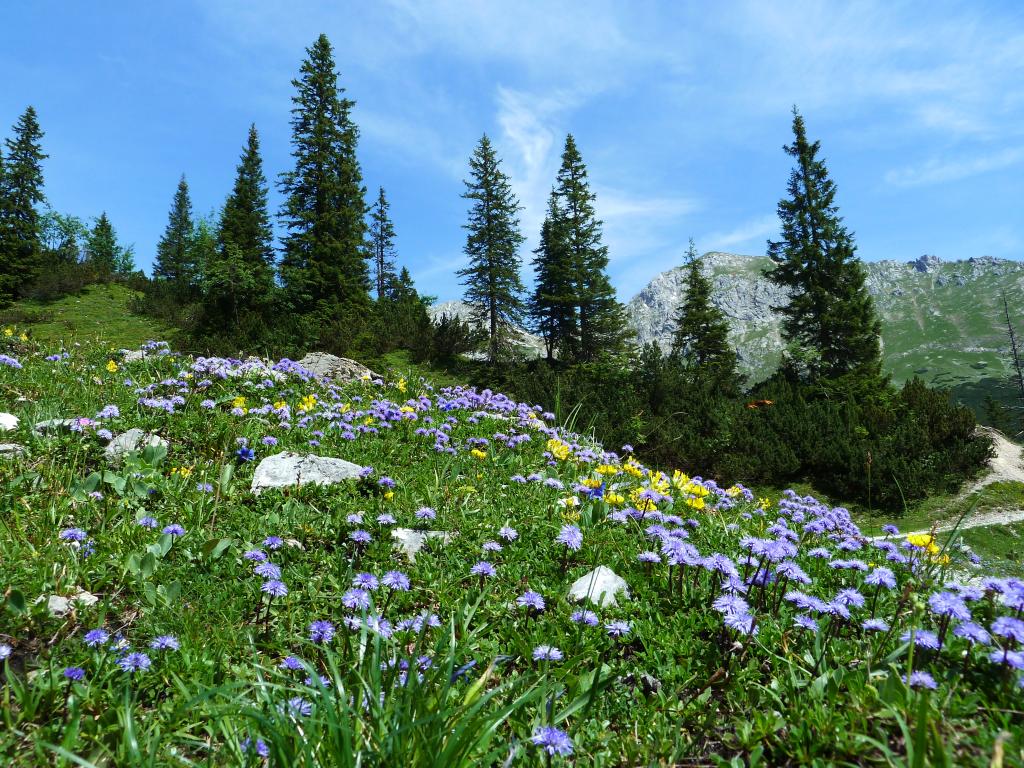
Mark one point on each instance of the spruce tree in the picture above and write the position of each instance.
(323, 266)
(701, 339)
(493, 285)
(175, 260)
(830, 321)
(103, 252)
(601, 320)
(382, 246)
(553, 303)
(239, 276)
(21, 195)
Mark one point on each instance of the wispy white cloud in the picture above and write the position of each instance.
(937, 171)
(745, 234)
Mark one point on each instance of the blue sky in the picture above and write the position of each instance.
(679, 108)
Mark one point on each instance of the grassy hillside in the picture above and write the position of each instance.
(100, 315)
(207, 625)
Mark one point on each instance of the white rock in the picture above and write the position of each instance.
(8, 422)
(57, 605)
(339, 369)
(53, 426)
(287, 468)
(409, 542)
(131, 441)
(600, 586)
(11, 450)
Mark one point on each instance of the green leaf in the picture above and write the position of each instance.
(115, 481)
(148, 565)
(15, 602)
(214, 548)
(227, 472)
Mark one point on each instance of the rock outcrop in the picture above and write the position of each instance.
(338, 369)
(287, 469)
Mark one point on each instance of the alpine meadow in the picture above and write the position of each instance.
(362, 459)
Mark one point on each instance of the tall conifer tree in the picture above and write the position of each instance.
(21, 195)
(175, 260)
(701, 340)
(323, 267)
(382, 246)
(104, 253)
(553, 304)
(830, 321)
(239, 275)
(492, 281)
(601, 320)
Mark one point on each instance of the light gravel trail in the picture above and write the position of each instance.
(1006, 466)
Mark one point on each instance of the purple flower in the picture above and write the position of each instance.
(165, 643)
(96, 637)
(360, 537)
(298, 707)
(973, 633)
(256, 555)
(245, 454)
(875, 625)
(386, 518)
(532, 600)
(850, 597)
(1009, 627)
(356, 599)
(547, 653)
(273, 542)
(584, 617)
(147, 522)
(73, 534)
(727, 604)
(321, 631)
(743, 623)
(134, 662)
(922, 639)
(805, 622)
(617, 628)
(881, 577)
(269, 440)
(949, 604)
(492, 546)
(74, 673)
(649, 557)
(571, 536)
(920, 679)
(274, 588)
(426, 513)
(386, 482)
(5, 651)
(508, 534)
(396, 580)
(1012, 659)
(365, 581)
(293, 663)
(267, 570)
(552, 740)
(174, 530)
(259, 747)
(483, 568)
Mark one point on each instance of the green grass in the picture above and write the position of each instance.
(99, 315)
(1001, 548)
(674, 684)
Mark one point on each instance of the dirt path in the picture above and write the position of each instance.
(1006, 466)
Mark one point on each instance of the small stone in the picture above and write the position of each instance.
(11, 450)
(600, 586)
(410, 542)
(132, 441)
(8, 422)
(58, 606)
(53, 426)
(286, 469)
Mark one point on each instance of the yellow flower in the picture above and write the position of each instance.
(401, 385)
(570, 514)
(24, 336)
(183, 471)
(8, 331)
(346, 407)
(476, 453)
(607, 469)
(111, 366)
(569, 501)
(405, 409)
(922, 540)
(280, 404)
(614, 498)
(389, 495)
(591, 482)
(368, 421)
(307, 403)
(558, 449)
(764, 502)
(696, 503)
(238, 402)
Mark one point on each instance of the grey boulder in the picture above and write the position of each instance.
(286, 469)
(8, 422)
(11, 450)
(131, 441)
(339, 369)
